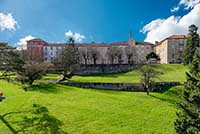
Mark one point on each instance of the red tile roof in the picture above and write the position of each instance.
(93, 45)
(36, 39)
(124, 43)
(177, 37)
(143, 43)
(172, 37)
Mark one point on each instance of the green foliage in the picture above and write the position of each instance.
(69, 59)
(30, 72)
(10, 61)
(188, 121)
(191, 44)
(151, 55)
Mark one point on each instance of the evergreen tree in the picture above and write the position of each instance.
(69, 59)
(191, 44)
(188, 121)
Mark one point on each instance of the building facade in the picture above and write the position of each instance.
(127, 52)
(168, 50)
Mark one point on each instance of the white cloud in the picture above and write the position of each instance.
(7, 22)
(159, 29)
(174, 9)
(189, 4)
(76, 36)
(23, 42)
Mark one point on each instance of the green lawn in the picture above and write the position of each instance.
(96, 111)
(171, 72)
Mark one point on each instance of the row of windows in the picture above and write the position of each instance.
(51, 53)
(51, 48)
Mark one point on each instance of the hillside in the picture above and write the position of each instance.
(171, 72)
(94, 111)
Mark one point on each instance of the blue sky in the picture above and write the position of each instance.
(96, 20)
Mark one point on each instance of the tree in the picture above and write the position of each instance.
(148, 74)
(10, 60)
(118, 54)
(69, 60)
(188, 120)
(151, 55)
(95, 54)
(112, 53)
(30, 72)
(191, 44)
(130, 53)
(85, 54)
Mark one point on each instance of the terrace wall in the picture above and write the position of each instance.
(121, 86)
(105, 69)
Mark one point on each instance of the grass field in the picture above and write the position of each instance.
(89, 111)
(171, 72)
(95, 111)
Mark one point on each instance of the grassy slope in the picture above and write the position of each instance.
(95, 111)
(175, 72)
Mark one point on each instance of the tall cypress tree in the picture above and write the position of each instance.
(188, 121)
(191, 44)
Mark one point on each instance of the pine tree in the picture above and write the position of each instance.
(188, 121)
(69, 59)
(191, 44)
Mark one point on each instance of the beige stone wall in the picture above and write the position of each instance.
(161, 50)
(175, 50)
(142, 51)
(103, 57)
(170, 51)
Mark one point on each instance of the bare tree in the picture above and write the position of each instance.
(94, 54)
(112, 53)
(148, 74)
(85, 54)
(131, 54)
(119, 55)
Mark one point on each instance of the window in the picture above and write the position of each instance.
(172, 55)
(51, 58)
(51, 53)
(51, 48)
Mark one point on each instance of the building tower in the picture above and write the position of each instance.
(131, 41)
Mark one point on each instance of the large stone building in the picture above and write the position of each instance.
(127, 52)
(169, 50)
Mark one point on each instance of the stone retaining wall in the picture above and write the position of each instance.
(99, 69)
(121, 86)
(105, 69)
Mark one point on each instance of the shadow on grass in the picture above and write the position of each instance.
(165, 99)
(170, 94)
(45, 88)
(35, 120)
